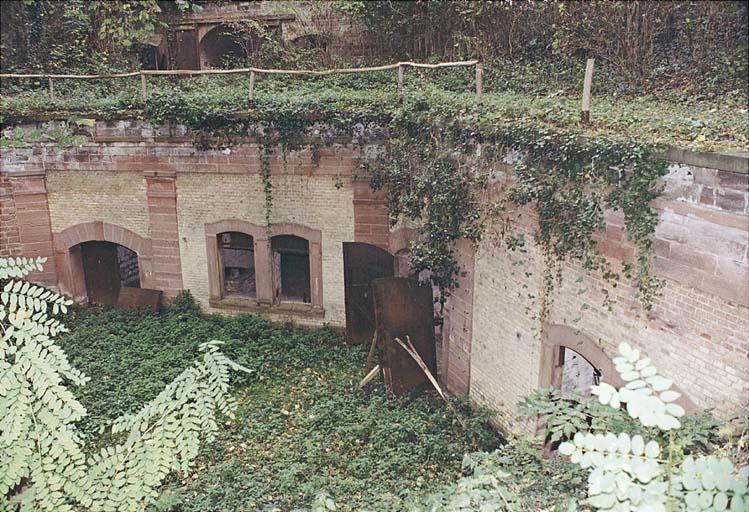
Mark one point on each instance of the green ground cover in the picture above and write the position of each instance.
(302, 428)
(522, 97)
(305, 438)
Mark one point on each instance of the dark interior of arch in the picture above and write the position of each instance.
(220, 47)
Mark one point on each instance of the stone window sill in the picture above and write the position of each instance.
(251, 305)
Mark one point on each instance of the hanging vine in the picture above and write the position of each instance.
(265, 175)
(436, 163)
(438, 159)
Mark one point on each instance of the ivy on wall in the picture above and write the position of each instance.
(438, 158)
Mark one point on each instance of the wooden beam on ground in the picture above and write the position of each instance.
(372, 348)
(374, 372)
(411, 351)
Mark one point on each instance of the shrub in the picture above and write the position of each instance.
(45, 466)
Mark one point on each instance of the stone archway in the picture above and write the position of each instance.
(219, 42)
(67, 245)
(555, 338)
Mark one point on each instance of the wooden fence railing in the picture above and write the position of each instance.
(400, 66)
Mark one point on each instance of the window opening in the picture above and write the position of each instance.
(291, 269)
(237, 254)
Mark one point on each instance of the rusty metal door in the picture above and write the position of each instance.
(187, 49)
(404, 308)
(362, 263)
(101, 271)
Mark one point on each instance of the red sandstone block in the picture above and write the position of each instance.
(616, 250)
(684, 254)
(34, 249)
(381, 219)
(36, 219)
(168, 259)
(661, 248)
(734, 180)
(729, 287)
(678, 272)
(161, 268)
(164, 201)
(731, 200)
(161, 209)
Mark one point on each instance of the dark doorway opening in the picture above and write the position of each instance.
(291, 277)
(578, 375)
(108, 267)
(362, 264)
(226, 47)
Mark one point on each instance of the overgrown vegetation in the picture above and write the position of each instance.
(441, 150)
(631, 472)
(302, 427)
(305, 437)
(45, 464)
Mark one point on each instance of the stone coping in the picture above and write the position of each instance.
(732, 161)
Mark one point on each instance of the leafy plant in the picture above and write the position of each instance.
(44, 462)
(629, 473)
(562, 414)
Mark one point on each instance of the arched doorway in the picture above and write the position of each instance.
(107, 267)
(115, 256)
(362, 263)
(224, 46)
(578, 375)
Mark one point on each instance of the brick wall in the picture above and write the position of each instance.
(117, 197)
(696, 333)
(10, 241)
(151, 188)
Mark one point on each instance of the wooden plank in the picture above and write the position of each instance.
(143, 88)
(479, 83)
(411, 351)
(374, 372)
(404, 309)
(585, 114)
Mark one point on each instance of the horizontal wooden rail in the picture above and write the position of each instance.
(268, 71)
(254, 71)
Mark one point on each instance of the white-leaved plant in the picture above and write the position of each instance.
(630, 474)
(43, 462)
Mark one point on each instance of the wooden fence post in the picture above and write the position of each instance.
(585, 113)
(143, 90)
(51, 89)
(400, 80)
(251, 91)
(479, 82)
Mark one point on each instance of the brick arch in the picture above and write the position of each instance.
(68, 257)
(102, 232)
(239, 226)
(556, 336)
